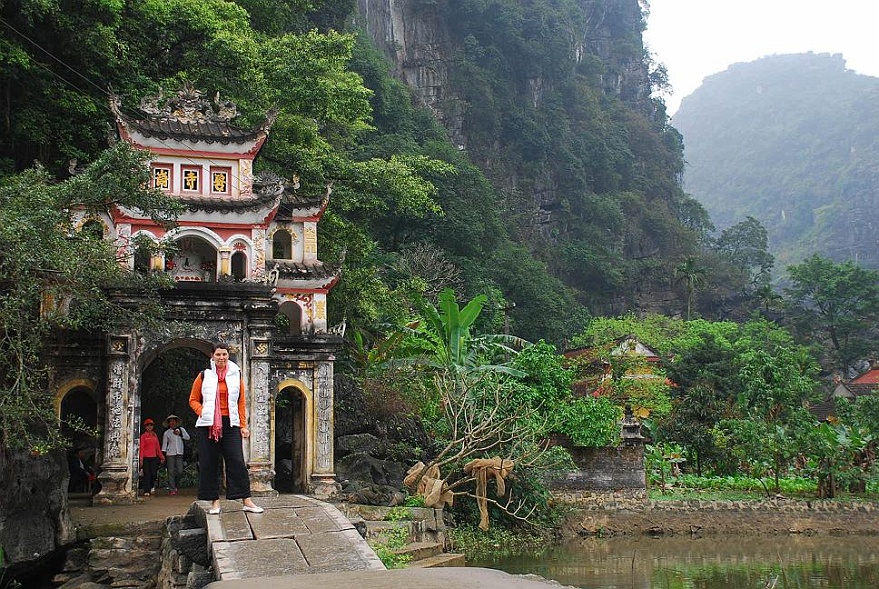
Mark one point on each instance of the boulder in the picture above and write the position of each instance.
(34, 519)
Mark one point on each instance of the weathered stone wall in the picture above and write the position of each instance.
(173, 555)
(607, 477)
(608, 500)
(699, 518)
(34, 519)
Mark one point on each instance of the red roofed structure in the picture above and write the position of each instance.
(244, 257)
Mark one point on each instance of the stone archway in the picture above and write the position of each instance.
(291, 427)
(166, 379)
(80, 414)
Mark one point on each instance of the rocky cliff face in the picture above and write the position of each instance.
(415, 37)
(426, 42)
(35, 520)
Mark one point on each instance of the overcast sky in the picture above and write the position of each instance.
(697, 38)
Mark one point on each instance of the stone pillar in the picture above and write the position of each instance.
(323, 479)
(259, 407)
(319, 315)
(115, 476)
(157, 262)
(225, 268)
(309, 243)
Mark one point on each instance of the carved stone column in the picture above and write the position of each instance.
(259, 407)
(116, 472)
(225, 268)
(323, 479)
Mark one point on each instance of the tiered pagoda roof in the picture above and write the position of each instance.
(189, 117)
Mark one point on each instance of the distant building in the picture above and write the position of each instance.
(865, 384)
(597, 362)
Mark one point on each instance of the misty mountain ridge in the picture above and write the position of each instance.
(792, 141)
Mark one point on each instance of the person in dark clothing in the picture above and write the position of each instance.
(80, 474)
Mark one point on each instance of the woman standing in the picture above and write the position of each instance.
(217, 397)
(150, 457)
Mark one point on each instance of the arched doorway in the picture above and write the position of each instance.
(293, 313)
(78, 414)
(165, 387)
(194, 261)
(79, 417)
(290, 441)
(239, 266)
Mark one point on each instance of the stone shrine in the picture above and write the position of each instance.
(244, 258)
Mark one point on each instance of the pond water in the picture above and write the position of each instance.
(728, 562)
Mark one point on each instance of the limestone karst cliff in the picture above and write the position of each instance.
(789, 140)
(553, 102)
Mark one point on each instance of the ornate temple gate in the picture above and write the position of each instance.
(246, 267)
(241, 315)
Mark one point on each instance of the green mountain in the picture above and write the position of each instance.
(792, 141)
(499, 147)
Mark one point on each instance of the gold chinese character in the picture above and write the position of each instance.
(219, 182)
(190, 180)
(161, 178)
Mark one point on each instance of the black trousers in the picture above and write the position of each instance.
(209, 453)
(150, 474)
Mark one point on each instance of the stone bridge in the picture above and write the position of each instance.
(294, 535)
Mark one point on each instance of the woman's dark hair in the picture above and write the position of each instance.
(221, 346)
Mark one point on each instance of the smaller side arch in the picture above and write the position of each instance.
(308, 426)
(68, 385)
(76, 406)
(294, 313)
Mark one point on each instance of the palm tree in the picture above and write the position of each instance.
(692, 275)
(767, 297)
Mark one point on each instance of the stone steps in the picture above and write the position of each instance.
(429, 555)
(420, 550)
(426, 533)
(447, 559)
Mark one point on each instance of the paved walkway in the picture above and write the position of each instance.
(296, 534)
(440, 578)
(147, 514)
(289, 530)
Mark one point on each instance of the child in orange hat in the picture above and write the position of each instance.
(150, 457)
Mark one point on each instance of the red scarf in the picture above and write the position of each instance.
(217, 427)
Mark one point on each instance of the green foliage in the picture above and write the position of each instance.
(443, 340)
(746, 244)
(841, 456)
(53, 277)
(399, 513)
(387, 542)
(414, 501)
(834, 303)
(590, 422)
(738, 390)
(662, 463)
(738, 487)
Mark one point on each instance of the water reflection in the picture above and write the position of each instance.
(736, 562)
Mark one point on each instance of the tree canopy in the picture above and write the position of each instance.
(55, 274)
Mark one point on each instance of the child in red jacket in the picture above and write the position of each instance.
(150, 457)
